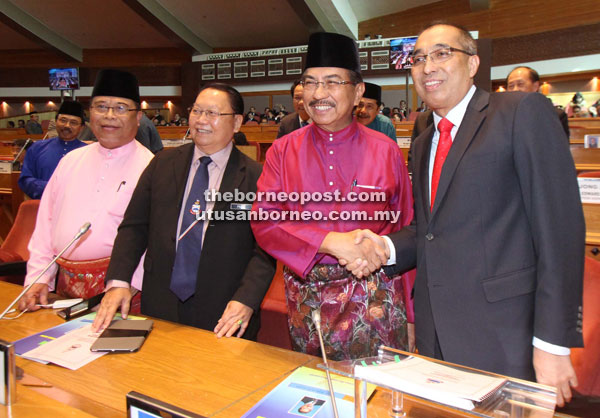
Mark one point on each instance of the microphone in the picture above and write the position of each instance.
(23, 148)
(316, 317)
(84, 228)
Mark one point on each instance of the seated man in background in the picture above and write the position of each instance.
(148, 136)
(206, 273)
(33, 125)
(528, 80)
(91, 184)
(251, 115)
(367, 112)
(299, 118)
(42, 157)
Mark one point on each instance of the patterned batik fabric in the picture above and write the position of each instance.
(85, 279)
(357, 315)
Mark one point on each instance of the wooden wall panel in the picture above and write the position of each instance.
(561, 43)
(38, 77)
(505, 18)
(101, 58)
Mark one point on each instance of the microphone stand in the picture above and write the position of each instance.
(23, 148)
(316, 317)
(15, 161)
(81, 231)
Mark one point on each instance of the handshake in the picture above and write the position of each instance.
(361, 251)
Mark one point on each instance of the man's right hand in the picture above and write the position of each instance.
(378, 247)
(38, 293)
(347, 246)
(115, 297)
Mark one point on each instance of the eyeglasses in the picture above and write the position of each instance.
(117, 110)
(210, 114)
(436, 56)
(311, 85)
(70, 122)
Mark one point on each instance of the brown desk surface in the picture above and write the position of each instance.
(180, 365)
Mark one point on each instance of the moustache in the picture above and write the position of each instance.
(321, 103)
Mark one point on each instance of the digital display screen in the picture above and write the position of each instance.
(64, 78)
(400, 52)
(142, 406)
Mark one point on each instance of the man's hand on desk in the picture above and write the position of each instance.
(37, 292)
(115, 297)
(557, 371)
(235, 318)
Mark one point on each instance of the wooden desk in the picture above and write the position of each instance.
(586, 159)
(31, 404)
(181, 365)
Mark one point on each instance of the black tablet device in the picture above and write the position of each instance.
(142, 406)
(123, 336)
(81, 308)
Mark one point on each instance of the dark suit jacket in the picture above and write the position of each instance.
(288, 124)
(564, 120)
(232, 266)
(500, 257)
(422, 122)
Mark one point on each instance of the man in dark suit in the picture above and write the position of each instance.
(498, 232)
(218, 282)
(299, 118)
(528, 80)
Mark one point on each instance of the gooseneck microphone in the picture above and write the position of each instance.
(23, 148)
(84, 228)
(316, 317)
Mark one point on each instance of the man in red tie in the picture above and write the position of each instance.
(498, 233)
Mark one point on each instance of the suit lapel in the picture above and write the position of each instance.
(421, 150)
(181, 171)
(296, 121)
(235, 171)
(474, 117)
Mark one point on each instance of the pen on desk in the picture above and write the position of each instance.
(121, 184)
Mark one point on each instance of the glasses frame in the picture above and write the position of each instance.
(114, 109)
(213, 115)
(327, 84)
(428, 55)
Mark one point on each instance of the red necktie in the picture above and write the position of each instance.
(444, 144)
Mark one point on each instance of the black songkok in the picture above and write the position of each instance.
(332, 50)
(117, 83)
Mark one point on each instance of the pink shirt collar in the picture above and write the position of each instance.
(117, 152)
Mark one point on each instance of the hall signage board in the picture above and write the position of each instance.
(286, 63)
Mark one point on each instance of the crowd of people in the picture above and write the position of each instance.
(498, 249)
(269, 116)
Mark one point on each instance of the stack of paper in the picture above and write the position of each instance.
(434, 381)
